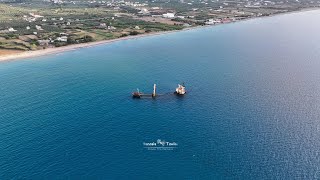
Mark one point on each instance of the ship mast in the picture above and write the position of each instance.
(154, 90)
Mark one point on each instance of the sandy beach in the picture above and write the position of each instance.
(5, 52)
(7, 55)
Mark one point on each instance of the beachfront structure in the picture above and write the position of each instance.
(212, 21)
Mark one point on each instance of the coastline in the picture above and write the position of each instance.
(57, 50)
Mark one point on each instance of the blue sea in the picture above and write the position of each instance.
(252, 110)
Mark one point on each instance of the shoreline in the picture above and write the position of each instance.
(72, 47)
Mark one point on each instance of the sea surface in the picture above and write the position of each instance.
(252, 110)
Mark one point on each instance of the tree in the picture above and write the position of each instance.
(133, 33)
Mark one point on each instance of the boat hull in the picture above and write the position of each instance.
(179, 94)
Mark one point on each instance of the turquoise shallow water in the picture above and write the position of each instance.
(252, 110)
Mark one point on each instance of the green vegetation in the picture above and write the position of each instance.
(37, 24)
(77, 24)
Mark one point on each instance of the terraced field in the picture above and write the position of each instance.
(10, 13)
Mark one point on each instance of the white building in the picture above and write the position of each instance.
(39, 28)
(11, 30)
(44, 42)
(57, 1)
(143, 11)
(212, 21)
(62, 39)
(35, 15)
(168, 15)
(186, 25)
(111, 28)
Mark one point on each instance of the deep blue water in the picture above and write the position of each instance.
(252, 110)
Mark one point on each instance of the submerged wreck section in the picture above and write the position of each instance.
(139, 94)
(180, 90)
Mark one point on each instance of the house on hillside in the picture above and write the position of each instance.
(62, 39)
(35, 15)
(11, 30)
(39, 28)
(103, 24)
(43, 42)
(144, 11)
(111, 28)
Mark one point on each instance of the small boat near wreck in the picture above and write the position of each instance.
(180, 90)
